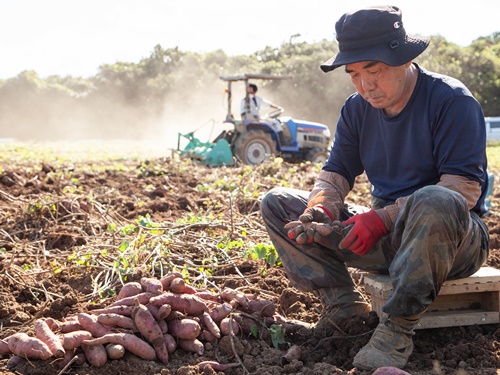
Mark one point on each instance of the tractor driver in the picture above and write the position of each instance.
(420, 138)
(256, 104)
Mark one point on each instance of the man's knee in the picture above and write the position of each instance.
(271, 201)
(284, 203)
(440, 199)
(271, 197)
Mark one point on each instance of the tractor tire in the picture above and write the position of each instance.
(254, 147)
(317, 155)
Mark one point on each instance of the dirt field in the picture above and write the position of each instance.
(62, 225)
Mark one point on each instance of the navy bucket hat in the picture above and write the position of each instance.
(374, 34)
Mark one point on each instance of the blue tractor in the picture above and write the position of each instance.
(252, 142)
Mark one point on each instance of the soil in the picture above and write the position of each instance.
(62, 232)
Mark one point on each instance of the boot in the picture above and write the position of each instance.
(390, 345)
(339, 303)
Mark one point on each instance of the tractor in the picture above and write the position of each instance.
(252, 142)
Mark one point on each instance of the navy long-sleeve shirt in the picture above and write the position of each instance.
(440, 131)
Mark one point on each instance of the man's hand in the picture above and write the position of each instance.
(310, 224)
(367, 229)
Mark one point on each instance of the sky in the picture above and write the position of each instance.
(75, 37)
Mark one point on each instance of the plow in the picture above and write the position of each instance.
(209, 153)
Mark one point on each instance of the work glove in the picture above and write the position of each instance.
(306, 228)
(366, 230)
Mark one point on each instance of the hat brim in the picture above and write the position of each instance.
(406, 51)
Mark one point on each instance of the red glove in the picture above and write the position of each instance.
(367, 229)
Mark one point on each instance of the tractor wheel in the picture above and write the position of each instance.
(254, 147)
(317, 155)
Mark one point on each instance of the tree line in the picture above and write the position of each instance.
(171, 88)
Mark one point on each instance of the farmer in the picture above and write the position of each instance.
(420, 138)
(251, 111)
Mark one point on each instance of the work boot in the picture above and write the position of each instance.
(339, 303)
(328, 322)
(390, 345)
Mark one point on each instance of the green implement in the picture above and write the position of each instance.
(214, 154)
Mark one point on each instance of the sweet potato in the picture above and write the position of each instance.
(174, 314)
(184, 328)
(210, 324)
(220, 312)
(161, 351)
(167, 279)
(245, 323)
(28, 347)
(143, 299)
(170, 342)
(205, 335)
(117, 320)
(54, 325)
(14, 361)
(388, 370)
(129, 341)
(130, 289)
(191, 345)
(122, 310)
(96, 354)
(163, 325)
(251, 296)
(178, 285)
(151, 285)
(164, 311)
(69, 326)
(185, 303)
(147, 324)
(217, 366)
(229, 326)
(153, 310)
(73, 340)
(149, 328)
(44, 333)
(4, 348)
(70, 358)
(70, 318)
(261, 307)
(229, 294)
(290, 326)
(90, 323)
(208, 296)
(291, 354)
(115, 351)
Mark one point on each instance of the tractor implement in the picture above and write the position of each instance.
(213, 154)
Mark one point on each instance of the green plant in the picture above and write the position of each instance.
(266, 252)
(277, 335)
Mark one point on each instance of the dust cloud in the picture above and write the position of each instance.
(196, 105)
(53, 118)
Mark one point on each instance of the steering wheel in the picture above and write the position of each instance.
(274, 113)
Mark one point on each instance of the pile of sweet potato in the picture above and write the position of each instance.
(150, 319)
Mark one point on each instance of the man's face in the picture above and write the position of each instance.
(383, 86)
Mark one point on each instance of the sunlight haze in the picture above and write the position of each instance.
(74, 37)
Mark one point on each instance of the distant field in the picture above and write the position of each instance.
(85, 151)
